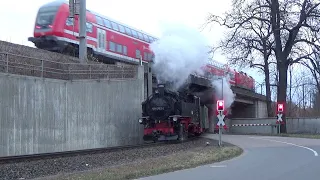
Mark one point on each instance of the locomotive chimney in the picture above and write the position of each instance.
(161, 89)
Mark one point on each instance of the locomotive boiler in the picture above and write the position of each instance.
(171, 115)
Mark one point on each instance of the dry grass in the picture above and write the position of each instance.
(24, 60)
(172, 162)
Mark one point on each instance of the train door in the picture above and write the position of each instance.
(102, 40)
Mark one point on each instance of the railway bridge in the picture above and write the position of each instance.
(247, 104)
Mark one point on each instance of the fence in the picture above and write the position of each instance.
(30, 66)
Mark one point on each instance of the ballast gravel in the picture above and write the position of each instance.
(47, 167)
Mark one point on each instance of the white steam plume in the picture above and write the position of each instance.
(225, 90)
(179, 52)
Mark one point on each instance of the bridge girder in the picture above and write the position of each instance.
(204, 87)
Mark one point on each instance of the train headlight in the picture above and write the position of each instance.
(140, 121)
(175, 118)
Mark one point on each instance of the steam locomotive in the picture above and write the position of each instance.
(172, 115)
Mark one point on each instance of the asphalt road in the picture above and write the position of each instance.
(264, 158)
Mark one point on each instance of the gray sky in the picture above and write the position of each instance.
(17, 17)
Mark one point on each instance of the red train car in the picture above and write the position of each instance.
(107, 39)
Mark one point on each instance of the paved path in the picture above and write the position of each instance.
(264, 158)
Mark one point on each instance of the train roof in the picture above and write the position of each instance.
(60, 2)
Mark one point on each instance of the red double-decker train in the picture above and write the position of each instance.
(107, 39)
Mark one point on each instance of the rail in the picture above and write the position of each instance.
(31, 66)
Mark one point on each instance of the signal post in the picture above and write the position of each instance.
(221, 115)
(280, 112)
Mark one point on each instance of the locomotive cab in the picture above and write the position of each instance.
(47, 29)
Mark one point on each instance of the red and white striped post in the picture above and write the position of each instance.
(221, 115)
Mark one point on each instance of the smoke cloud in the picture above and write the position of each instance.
(179, 52)
(223, 91)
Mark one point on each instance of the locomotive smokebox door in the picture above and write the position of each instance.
(161, 88)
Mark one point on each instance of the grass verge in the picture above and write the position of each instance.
(164, 164)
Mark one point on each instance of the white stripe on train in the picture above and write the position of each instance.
(102, 51)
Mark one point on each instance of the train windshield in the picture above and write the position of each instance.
(46, 15)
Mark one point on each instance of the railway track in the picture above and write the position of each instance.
(32, 157)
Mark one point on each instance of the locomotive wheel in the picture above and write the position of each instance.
(155, 139)
(183, 134)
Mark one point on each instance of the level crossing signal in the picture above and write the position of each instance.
(221, 115)
(280, 107)
(220, 105)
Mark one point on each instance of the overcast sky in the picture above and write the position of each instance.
(17, 17)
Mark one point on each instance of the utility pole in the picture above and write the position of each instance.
(303, 96)
(290, 96)
(78, 8)
(83, 32)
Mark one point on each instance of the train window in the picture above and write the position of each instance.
(69, 21)
(89, 27)
(134, 33)
(125, 50)
(150, 39)
(99, 20)
(112, 46)
(146, 38)
(128, 31)
(140, 35)
(232, 75)
(115, 26)
(149, 56)
(121, 28)
(138, 55)
(46, 15)
(145, 56)
(107, 23)
(119, 48)
(152, 57)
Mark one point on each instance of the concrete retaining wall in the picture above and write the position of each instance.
(303, 125)
(45, 115)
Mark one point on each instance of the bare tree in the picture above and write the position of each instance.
(291, 22)
(249, 41)
(301, 90)
(312, 62)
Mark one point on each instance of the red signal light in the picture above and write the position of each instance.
(280, 107)
(220, 105)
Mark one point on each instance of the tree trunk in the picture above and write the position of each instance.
(268, 91)
(282, 91)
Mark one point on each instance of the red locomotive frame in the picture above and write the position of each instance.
(108, 39)
(187, 128)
